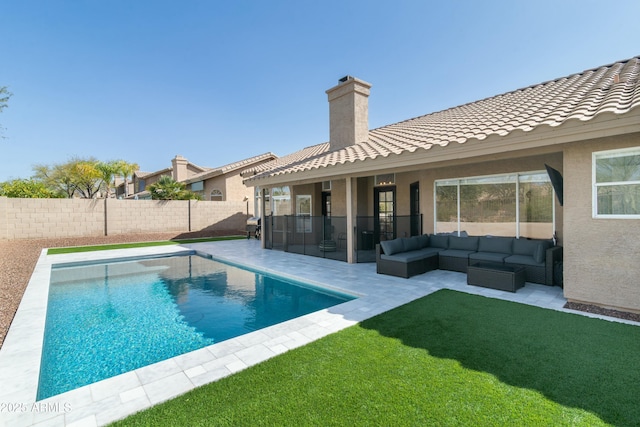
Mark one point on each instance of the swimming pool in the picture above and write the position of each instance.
(109, 318)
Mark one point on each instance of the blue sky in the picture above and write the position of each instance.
(220, 81)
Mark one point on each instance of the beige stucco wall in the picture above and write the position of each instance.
(232, 188)
(49, 218)
(600, 255)
(217, 183)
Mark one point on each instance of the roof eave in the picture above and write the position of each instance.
(603, 125)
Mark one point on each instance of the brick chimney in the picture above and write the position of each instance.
(179, 164)
(348, 112)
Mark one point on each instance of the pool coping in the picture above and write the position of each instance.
(117, 397)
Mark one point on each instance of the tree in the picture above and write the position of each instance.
(108, 170)
(57, 178)
(127, 170)
(4, 98)
(166, 188)
(78, 176)
(28, 189)
(87, 177)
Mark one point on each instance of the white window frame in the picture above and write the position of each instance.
(303, 223)
(513, 177)
(280, 195)
(621, 152)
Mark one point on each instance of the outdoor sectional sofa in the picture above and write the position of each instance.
(408, 256)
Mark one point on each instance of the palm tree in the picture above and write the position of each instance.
(127, 170)
(108, 170)
(166, 188)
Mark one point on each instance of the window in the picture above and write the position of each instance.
(616, 183)
(216, 195)
(384, 211)
(197, 186)
(281, 201)
(303, 212)
(500, 205)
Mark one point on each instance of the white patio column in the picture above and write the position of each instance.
(352, 190)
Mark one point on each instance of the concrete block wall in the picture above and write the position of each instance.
(146, 216)
(218, 215)
(51, 218)
(4, 202)
(45, 218)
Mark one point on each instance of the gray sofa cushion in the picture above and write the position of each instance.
(487, 257)
(439, 241)
(523, 260)
(426, 252)
(410, 244)
(500, 245)
(391, 247)
(524, 246)
(404, 256)
(456, 253)
(423, 240)
(463, 243)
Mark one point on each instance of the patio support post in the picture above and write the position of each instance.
(352, 190)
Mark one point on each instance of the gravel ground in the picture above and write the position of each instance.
(18, 259)
(603, 311)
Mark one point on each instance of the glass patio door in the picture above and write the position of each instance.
(384, 213)
(414, 194)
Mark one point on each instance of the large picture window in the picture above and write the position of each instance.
(616, 183)
(499, 205)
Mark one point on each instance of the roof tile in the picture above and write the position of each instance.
(613, 88)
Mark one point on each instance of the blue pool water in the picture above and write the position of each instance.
(107, 319)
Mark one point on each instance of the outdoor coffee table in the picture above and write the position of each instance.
(495, 276)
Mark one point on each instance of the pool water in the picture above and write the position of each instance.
(107, 319)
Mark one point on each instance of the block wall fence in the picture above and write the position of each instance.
(52, 218)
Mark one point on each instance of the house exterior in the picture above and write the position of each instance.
(482, 168)
(179, 170)
(222, 183)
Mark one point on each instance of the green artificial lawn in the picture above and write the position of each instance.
(446, 359)
(73, 249)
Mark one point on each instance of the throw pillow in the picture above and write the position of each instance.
(391, 247)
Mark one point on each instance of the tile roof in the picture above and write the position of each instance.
(241, 164)
(613, 88)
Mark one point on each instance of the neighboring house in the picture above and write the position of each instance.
(479, 168)
(223, 183)
(180, 170)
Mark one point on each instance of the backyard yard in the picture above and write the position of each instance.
(447, 359)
